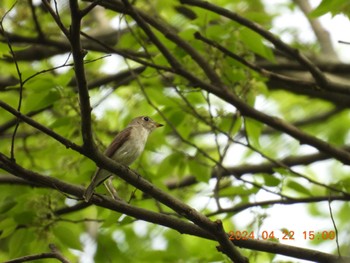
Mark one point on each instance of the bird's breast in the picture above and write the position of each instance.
(133, 147)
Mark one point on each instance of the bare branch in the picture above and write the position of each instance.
(56, 17)
(87, 10)
(305, 200)
(78, 57)
(334, 225)
(35, 19)
(55, 253)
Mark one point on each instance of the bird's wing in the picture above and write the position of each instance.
(101, 174)
(118, 141)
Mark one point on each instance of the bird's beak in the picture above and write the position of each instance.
(159, 125)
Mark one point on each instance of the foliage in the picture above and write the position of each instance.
(241, 110)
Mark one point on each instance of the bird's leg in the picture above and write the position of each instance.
(109, 185)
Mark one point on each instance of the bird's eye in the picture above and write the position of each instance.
(145, 118)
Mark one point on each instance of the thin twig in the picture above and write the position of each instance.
(334, 225)
(55, 253)
(56, 16)
(19, 77)
(304, 200)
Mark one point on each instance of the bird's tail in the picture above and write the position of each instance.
(89, 191)
(98, 178)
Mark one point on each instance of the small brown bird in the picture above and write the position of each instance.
(126, 147)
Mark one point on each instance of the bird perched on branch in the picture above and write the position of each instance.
(126, 147)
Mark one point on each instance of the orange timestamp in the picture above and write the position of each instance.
(281, 235)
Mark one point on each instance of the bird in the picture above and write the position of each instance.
(125, 148)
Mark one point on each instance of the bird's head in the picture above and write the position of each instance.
(146, 122)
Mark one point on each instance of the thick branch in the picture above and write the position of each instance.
(123, 172)
(337, 99)
(5, 179)
(78, 57)
(203, 222)
(161, 219)
(45, 48)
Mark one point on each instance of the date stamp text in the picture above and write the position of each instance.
(282, 235)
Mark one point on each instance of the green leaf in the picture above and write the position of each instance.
(62, 122)
(20, 241)
(110, 218)
(107, 250)
(180, 120)
(271, 180)
(7, 4)
(127, 220)
(25, 217)
(298, 188)
(170, 163)
(42, 100)
(240, 190)
(254, 42)
(7, 204)
(41, 92)
(7, 227)
(253, 129)
(217, 32)
(69, 236)
(237, 125)
(332, 6)
(225, 124)
(200, 171)
(344, 184)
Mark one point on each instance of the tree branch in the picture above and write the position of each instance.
(306, 200)
(55, 253)
(7, 125)
(123, 172)
(318, 75)
(231, 98)
(321, 33)
(5, 179)
(300, 83)
(267, 167)
(162, 219)
(41, 128)
(78, 57)
(56, 16)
